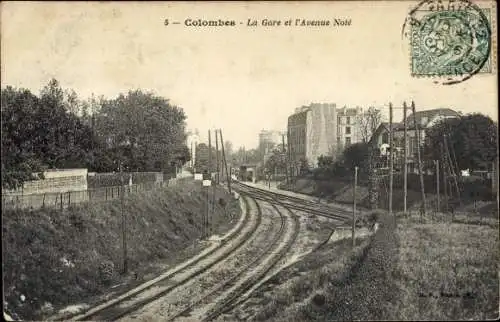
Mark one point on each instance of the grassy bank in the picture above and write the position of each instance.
(51, 256)
(412, 269)
(446, 271)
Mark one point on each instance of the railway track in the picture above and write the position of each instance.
(228, 291)
(332, 212)
(173, 279)
(252, 249)
(235, 295)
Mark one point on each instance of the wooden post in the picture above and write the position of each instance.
(285, 156)
(437, 185)
(124, 224)
(216, 169)
(405, 161)
(421, 174)
(43, 200)
(354, 206)
(217, 157)
(391, 158)
(210, 175)
(445, 179)
(61, 200)
(69, 198)
(228, 173)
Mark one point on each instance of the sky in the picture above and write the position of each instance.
(241, 79)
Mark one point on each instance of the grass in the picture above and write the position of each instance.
(161, 226)
(446, 271)
(429, 268)
(313, 275)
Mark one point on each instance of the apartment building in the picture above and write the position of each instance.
(268, 141)
(312, 132)
(192, 141)
(348, 132)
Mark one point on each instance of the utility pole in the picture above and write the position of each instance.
(228, 173)
(285, 156)
(208, 189)
(354, 206)
(452, 166)
(405, 161)
(421, 174)
(391, 160)
(445, 179)
(217, 180)
(437, 183)
(124, 223)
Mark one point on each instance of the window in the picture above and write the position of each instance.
(347, 141)
(385, 138)
(348, 120)
(339, 120)
(348, 129)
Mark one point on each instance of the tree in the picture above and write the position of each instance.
(38, 132)
(277, 161)
(144, 129)
(471, 139)
(368, 122)
(201, 161)
(19, 160)
(356, 155)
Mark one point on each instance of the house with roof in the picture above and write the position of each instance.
(424, 120)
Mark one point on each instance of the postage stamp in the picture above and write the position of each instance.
(450, 39)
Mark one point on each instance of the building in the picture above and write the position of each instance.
(348, 131)
(268, 141)
(192, 141)
(424, 119)
(312, 132)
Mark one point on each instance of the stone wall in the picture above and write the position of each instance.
(55, 181)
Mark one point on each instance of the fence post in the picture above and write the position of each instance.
(61, 200)
(106, 193)
(43, 201)
(69, 198)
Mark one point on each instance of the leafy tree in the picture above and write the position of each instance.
(357, 154)
(201, 161)
(471, 139)
(61, 140)
(19, 160)
(146, 131)
(39, 132)
(277, 161)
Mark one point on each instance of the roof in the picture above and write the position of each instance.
(423, 117)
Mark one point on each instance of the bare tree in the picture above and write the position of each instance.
(369, 121)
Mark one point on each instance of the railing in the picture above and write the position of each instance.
(65, 199)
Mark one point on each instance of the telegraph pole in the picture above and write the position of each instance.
(210, 178)
(421, 174)
(284, 155)
(405, 161)
(445, 179)
(124, 224)
(437, 183)
(228, 173)
(354, 206)
(217, 157)
(391, 160)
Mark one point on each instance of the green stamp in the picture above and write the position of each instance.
(450, 40)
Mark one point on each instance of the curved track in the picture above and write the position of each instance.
(152, 290)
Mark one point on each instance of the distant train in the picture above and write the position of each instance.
(246, 173)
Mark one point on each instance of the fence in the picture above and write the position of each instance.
(65, 199)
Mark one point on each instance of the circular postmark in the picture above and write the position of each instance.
(449, 40)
